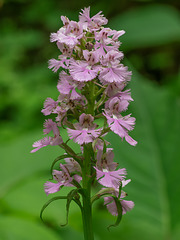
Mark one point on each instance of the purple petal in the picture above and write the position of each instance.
(50, 187)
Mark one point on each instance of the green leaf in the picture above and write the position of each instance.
(12, 227)
(70, 197)
(119, 210)
(148, 26)
(50, 201)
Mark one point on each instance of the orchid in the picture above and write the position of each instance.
(111, 205)
(91, 103)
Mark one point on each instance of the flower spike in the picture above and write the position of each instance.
(92, 100)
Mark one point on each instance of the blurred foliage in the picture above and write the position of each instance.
(151, 47)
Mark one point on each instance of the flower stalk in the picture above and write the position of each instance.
(86, 183)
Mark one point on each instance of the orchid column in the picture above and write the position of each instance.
(91, 87)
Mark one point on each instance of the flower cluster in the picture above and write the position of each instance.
(91, 86)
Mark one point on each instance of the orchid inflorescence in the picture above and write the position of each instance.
(91, 92)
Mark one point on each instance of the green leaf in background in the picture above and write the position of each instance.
(150, 25)
(13, 228)
(119, 210)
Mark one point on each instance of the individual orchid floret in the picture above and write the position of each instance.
(85, 131)
(66, 85)
(114, 88)
(70, 102)
(72, 165)
(41, 143)
(53, 141)
(68, 34)
(49, 126)
(82, 71)
(67, 103)
(125, 95)
(83, 136)
(121, 125)
(61, 114)
(106, 172)
(98, 20)
(63, 178)
(49, 106)
(73, 95)
(92, 22)
(112, 58)
(115, 74)
(104, 43)
(110, 178)
(52, 126)
(63, 59)
(105, 160)
(55, 64)
(117, 34)
(107, 33)
(111, 205)
(119, 102)
(86, 121)
(115, 105)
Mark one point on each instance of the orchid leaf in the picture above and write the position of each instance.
(50, 201)
(148, 26)
(119, 210)
(70, 197)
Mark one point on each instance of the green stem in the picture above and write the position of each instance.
(99, 92)
(86, 181)
(90, 97)
(87, 171)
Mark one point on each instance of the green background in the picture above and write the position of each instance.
(151, 49)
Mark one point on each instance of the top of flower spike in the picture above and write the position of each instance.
(92, 22)
(89, 53)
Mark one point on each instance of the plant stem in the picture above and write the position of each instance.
(90, 97)
(87, 173)
(87, 207)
